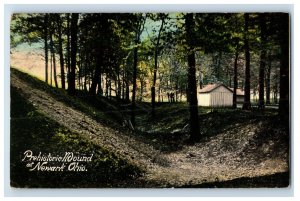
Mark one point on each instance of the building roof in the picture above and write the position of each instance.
(210, 87)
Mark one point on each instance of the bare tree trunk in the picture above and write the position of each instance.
(119, 86)
(268, 80)
(46, 46)
(74, 26)
(102, 46)
(135, 57)
(192, 88)
(138, 33)
(127, 96)
(261, 102)
(54, 70)
(142, 88)
(51, 68)
(284, 68)
(53, 60)
(61, 55)
(96, 78)
(100, 89)
(155, 69)
(247, 103)
(68, 48)
(235, 80)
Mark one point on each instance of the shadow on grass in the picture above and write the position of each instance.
(278, 180)
(31, 130)
(169, 131)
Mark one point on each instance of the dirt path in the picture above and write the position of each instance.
(224, 157)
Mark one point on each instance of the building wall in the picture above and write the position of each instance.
(204, 99)
(220, 97)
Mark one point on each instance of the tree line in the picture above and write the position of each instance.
(120, 54)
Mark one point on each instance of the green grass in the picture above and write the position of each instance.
(165, 131)
(99, 108)
(31, 130)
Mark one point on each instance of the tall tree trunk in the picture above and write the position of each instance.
(110, 88)
(268, 79)
(155, 68)
(102, 46)
(106, 86)
(284, 68)
(96, 78)
(119, 87)
(192, 88)
(79, 70)
(123, 82)
(61, 55)
(134, 76)
(235, 80)
(53, 60)
(54, 70)
(51, 68)
(219, 58)
(138, 33)
(276, 93)
(127, 96)
(176, 90)
(86, 67)
(74, 26)
(263, 53)
(68, 48)
(46, 18)
(142, 88)
(99, 88)
(247, 103)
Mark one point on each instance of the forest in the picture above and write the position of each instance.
(147, 76)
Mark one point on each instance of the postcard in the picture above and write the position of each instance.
(150, 100)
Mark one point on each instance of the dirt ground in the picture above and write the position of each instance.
(226, 156)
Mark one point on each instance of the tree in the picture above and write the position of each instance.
(140, 23)
(268, 78)
(263, 53)
(284, 66)
(74, 27)
(53, 60)
(45, 28)
(235, 74)
(162, 17)
(192, 89)
(247, 103)
(102, 27)
(68, 47)
(236, 40)
(60, 50)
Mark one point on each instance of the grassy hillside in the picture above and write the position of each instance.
(240, 138)
(101, 109)
(31, 130)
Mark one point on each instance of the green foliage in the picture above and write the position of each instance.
(106, 42)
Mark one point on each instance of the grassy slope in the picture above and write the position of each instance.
(31, 130)
(277, 180)
(101, 109)
(157, 132)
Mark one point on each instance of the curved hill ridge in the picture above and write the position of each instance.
(226, 156)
